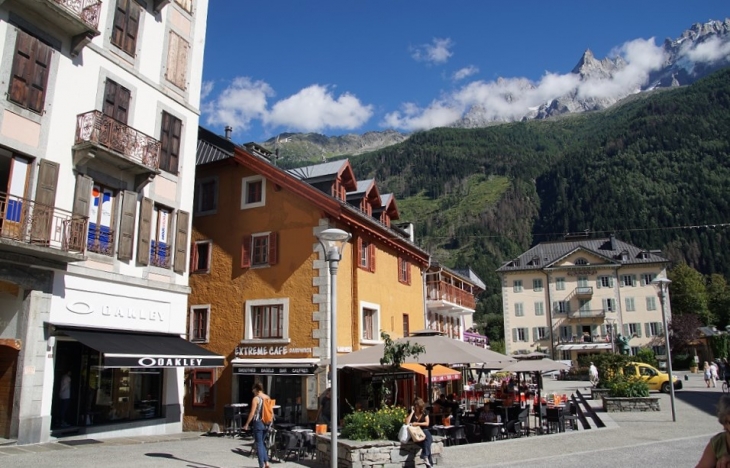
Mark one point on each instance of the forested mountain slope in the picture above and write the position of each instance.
(641, 169)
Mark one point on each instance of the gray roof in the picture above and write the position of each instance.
(317, 171)
(385, 199)
(362, 186)
(468, 273)
(212, 147)
(547, 253)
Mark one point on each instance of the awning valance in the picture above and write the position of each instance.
(582, 346)
(128, 349)
(438, 373)
(304, 366)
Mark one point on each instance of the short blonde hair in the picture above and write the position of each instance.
(723, 409)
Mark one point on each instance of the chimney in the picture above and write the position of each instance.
(229, 130)
(612, 237)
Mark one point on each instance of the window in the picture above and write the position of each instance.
(517, 286)
(582, 281)
(101, 221)
(604, 282)
(560, 284)
(186, 5)
(116, 101)
(519, 310)
(561, 307)
(659, 350)
(203, 387)
(539, 308)
(29, 74)
(160, 243)
(647, 278)
(633, 329)
(370, 323)
(177, 60)
(537, 285)
(584, 305)
(520, 334)
(653, 329)
(540, 333)
(651, 303)
(153, 246)
(200, 256)
(635, 350)
(206, 196)
(366, 254)
(404, 271)
(126, 25)
(630, 306)
(253, 192)
(406, 325)
(628, 280)
(259, 250)
(609, 305)
(566, 332)
(581, 261)
(199, 324)
(170, 143)
(266, 320)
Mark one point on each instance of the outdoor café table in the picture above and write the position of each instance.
(491, 430)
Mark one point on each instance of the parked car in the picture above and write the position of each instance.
(656, 379)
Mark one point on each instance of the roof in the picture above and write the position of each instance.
(318, 171)
(465, 274)
(545, 254)
(212, 147)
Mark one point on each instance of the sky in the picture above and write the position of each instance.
(350, 66)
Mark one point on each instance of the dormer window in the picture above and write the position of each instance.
(624, 256)
(535, 260)
(581, 261)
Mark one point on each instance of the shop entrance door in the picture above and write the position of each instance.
(8, 369)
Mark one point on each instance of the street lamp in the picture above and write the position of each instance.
(332, 242)
(612, 332)
(662, 285)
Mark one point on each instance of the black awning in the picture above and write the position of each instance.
(127, 349)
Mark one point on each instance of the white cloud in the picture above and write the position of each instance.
(238, 104)
(411, 117)
(438, 51)
(464, 73)
(711, 50)
(206, 89)
(315, 108)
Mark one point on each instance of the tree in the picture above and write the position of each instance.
(718, 299)
(683, 330)
(395, 354)
(688, 293)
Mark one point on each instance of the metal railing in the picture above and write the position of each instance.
(587, 313)
(87, 10)
(100, 240)
(476, 339)
(584, 291)
(32, 223)
(441, 291)
(100, 129)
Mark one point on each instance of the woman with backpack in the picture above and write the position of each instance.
(259, 428)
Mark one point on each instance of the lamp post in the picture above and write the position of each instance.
(332, 242)
(662, 285)
(612, 333)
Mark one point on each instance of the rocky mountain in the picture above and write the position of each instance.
(314, 147)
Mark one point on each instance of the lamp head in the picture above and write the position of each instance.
(661, 284)
(333, 241)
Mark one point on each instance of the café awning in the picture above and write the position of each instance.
(439, 373)
(582, 346)
(128, 349)
(294, 366)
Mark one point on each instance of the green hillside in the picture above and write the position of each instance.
(642, 169)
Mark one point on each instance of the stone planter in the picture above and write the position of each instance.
(597, 393)
(615, 405)
(375, 453)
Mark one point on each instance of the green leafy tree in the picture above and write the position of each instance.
(718, 299)
(395, 354)
(688, 293)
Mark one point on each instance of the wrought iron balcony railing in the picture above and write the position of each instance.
(87, 10)
(133, 145)
(32, 223)
(100, 239)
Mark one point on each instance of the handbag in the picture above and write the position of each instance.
(416, 433)
(403, 435)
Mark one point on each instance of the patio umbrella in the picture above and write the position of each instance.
(532, 355)
(439, 349)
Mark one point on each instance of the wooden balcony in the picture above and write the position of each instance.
(119, 145)
(78, 19)
(584, 291)
(39, 230)
(440, 291)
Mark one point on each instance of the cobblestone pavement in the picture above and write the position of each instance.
(630, 439)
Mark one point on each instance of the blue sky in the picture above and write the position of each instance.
(348, 66)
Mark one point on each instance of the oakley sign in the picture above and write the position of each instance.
(170, 362)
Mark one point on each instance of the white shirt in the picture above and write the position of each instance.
(593, 371)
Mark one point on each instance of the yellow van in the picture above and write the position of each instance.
(656, 379)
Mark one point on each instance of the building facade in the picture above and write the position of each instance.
(260, 287)
(98, 130)
(576, 296)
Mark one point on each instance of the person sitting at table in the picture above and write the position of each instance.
(441, 405)
(487, 415)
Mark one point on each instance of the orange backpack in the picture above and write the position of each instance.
(267, 410)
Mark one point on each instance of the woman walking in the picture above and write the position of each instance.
(419, 417)
(708, 374)
(259, 428)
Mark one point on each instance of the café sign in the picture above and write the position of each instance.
(269, 350)
(275, 370)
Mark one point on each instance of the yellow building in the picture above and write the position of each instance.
(260, 285)
(576, 296)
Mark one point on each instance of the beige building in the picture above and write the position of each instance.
(576, 296)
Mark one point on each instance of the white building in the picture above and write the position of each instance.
(575, 296)
(98, 133)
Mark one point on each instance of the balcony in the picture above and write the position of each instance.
(587, 313)
(40, 230)
(442, 295)
(584, 291)
(123, 147)
(476, 339)
(79, 19)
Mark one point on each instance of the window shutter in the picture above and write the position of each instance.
(126, 227)
(534, 333)
(41, 65)
(194, 257)
(638, 331)
(604, 330)
(145, 232)
(605, 304)
(598, 283)
(555, 307)
(610, 281)
(177, 60)
(110, 98)
(647, 327)
(408, 271)
(514, 335)
(567, 307)
(273, 248)
(45, 193)
(633, 280)
(371, 259)
(246, 252)
(165, 140)
(82, 198)
(181, 242)
(594, 330)
(175, 145)
(21, 75)
(626, 329)
(359, 251)
(121, 110)
(132, 26)
(660, 328)
(120, 17)
(643, 280)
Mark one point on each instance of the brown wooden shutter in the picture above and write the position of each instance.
(145, 231)
(371, 259)
(359, 252)
(110, 98)
(170, 135)
(165, 140)
(82, 198)
(273, 248)
(177, 60)
(120, 20)
(175, 145)
(194, 257)
(45, 192)
(21, 74)
(126, 227)
(121, 111)
(246, 252)
(132, 26)
(39, 76)
(181, 241)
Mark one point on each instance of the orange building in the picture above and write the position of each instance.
(260, 285)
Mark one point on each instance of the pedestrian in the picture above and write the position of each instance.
(713, 372)
(707, 373)
(593, 375)
(259, 428)
(419, 417)
(64, 395)
(716, 451)
(324, 410)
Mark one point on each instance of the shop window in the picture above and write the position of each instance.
(253, 192)
(203, 388)
(200, 256)
(199, 324)
(267, 320)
